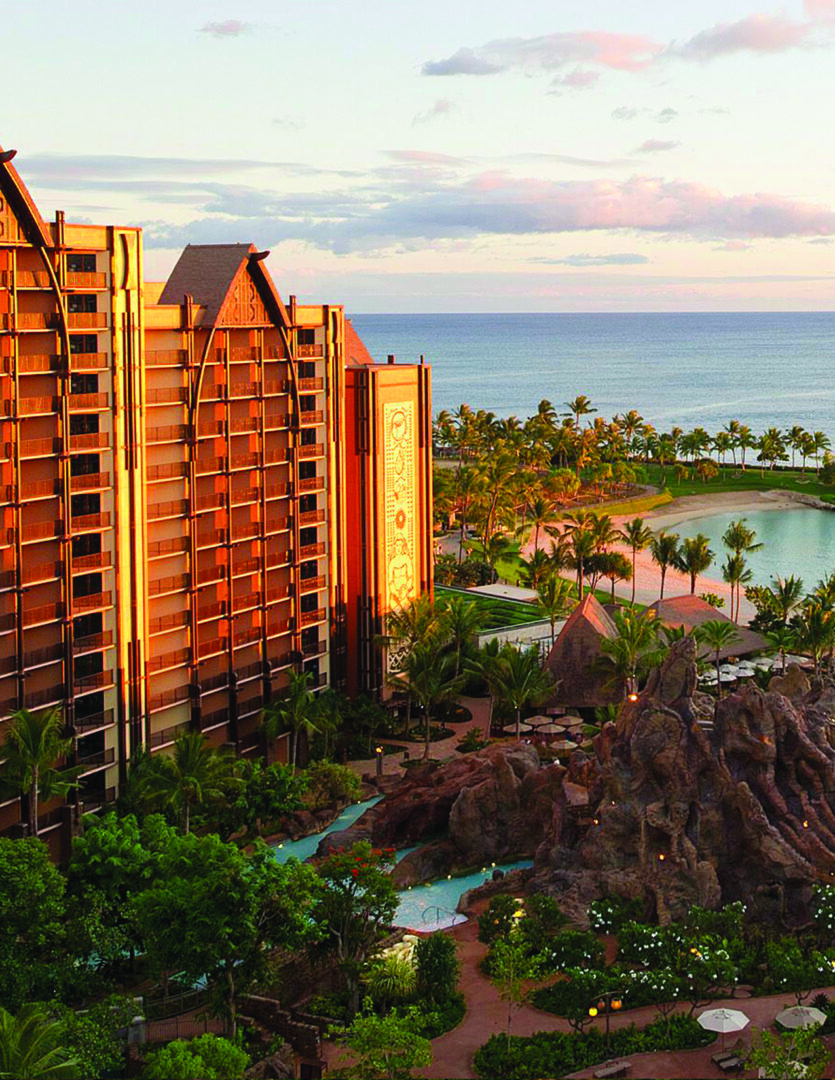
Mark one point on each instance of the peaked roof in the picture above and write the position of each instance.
(691, 611)
(206, 272)
(572, 660)
(21, 202)
(356, 354)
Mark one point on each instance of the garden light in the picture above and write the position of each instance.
(592, 1011)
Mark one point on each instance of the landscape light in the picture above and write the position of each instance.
(632, 697)
(592, 1011)
(805, 824)
(616, 1004)
(595, 821)
(662, 857)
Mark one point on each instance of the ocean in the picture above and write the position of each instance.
(688, 370)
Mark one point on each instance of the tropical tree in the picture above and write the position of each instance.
(580, 406)
(534, 570)
(787, 596)
(638, 536)
(820, 441)
(737, 573)
(717, 635)
(194, 774)
(554, 600)
(295, 711)
(583, 548)
(783, 638)
(794, 437)
(34, 744)
(462, 619)
(633, 650)
(384, 1047)
(664, 551)
(815, 630)
(614, 566)
(519, 680)
(33, 1046)
(694, 557)
(428, 678)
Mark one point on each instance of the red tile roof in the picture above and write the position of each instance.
(356, 354)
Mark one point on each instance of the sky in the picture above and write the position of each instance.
(474, 155)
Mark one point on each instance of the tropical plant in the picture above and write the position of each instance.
(391, 980)
(737, 573)
(633, 650)
(295, 711)
(32, 1046)
(519, 680)
(637, 535)
(788, 1055)
(437, 966)
(554, 600)
(34, 744)
(428, 679)
(815, 631)
(664, 550)
(207, 1057)
(384, 1047)
(193, 775)
(717, 635)
(461, 619)
(694, 557)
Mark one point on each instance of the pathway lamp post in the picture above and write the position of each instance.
(378, 753)
(607, 1003)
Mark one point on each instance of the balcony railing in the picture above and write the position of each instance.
(220, 680)
(87, 320)
(98, 759)
(312, 517)
(245, 530)
(165, 357)
(98, 440)
(45, 571)
(211, 611)
(210, 428)
(245, 566)
(48, 654)
(38, 489)
(244, 390)
(77, 279)
(214, 647)
(88, 361)
(158, 548)
(168, 697)
(312, 483)
(209, 465)
(90, 481)
(213, 501)
(239, 424)
(90, 522)
(32, 279)
(175, 658)
(166, 395)
(245, 495)
(35, 363)
(307, 386)
(246, 637)
(308, 618)
(175, 583)
(175, 508)
(277, 592)
(210, 573)
(99, 680)
(31, 448)
(314, 650)
(277, 627)
(312, 584)
(36, 321)
(242, 603)
(243, 461)
(163, 623)
(92, 643)
(88, 402)
(99, 560)
(310, 352)
(311, 551)
(50, 695)
(92, 602)
(315, 416)
(277, 524)
(168, 471)
(96, 800)
(210, 538)
(167, 433)
(34, 406)
(40, 530)
(167, 735)
(279, 558)
(277, 491)
(311, 450)
(96, 721)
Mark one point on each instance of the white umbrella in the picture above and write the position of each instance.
(723, 1020)
(538, 721)
(511, 728)
(801, 1016)
(550, 729)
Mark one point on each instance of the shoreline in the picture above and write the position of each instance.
(694, 507)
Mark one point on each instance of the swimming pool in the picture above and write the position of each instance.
(304, 848)
(432, 906)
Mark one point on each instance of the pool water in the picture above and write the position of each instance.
(304, 848)
(432, 906)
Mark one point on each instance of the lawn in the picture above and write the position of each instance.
(730, 479)
(497, 613)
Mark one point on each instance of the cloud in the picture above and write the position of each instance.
(664, 116)
(568, 159)
(424, 157)
(624, 259)
(622, 112)
(228, 28)
(733, 245)
(757, 33)
(820, 10)
(716, 111)
(442, 107)
(551, 52)
(654, 146)
(578, 79)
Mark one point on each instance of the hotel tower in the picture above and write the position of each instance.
(202, 488)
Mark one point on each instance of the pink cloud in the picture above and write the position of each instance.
(227, 28)
(820, 10)
(756, 33)
(733, 245)
(578, 79)
(654, 146)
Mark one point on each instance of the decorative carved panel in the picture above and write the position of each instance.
(10, 231)
(245, 307)
(399, 495)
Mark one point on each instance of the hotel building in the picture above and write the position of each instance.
(202, 488)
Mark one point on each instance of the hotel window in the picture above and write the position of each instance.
(84, 384)
(79, 263)
(307, 470)
(83, 343)
(84, 303)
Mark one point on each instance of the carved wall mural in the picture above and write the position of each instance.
(399, 495)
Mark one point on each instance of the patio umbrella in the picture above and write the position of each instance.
(510, 729)
(801, 1016)
(723, 1020)
(538, 721)
(550, 729)
(572, 721)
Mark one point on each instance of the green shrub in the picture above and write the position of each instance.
(496, 920)
(608, 915)
(550, 1053)
(437, 967)
(391, 980)
(330, 783)
(573, 949)
(471, 741)
(208, 1057)
(444, 1016)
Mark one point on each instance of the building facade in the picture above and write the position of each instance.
(202, 488)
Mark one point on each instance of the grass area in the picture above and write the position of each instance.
(633, 507)
(497, 613)
(730, 479)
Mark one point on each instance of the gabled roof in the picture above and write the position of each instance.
(21, 203)
(573, 659)
(691, 611)
(206, 272)
(356, 354)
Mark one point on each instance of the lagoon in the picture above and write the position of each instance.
(800, 542)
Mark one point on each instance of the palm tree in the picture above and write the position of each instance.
(736, 573)
(787, 595)
(614, 566)
(534, 570)
(296, 710)
(462, 619)
(519, 680)
(580, 406)
(553, 599)
(414, 622)
(794, 437)
(638, 536)
(783, 638)
(33, 745)
(821, 441)
(717, 635)
(815, 630)
(428, 678)
(485, 664)
(582, 549)
(541, 514)
(694, 557)
(634, 648)
(497, 547)
(194, 774)
(664, 550)
(32, 1047)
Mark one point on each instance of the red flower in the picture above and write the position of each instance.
(354, 873)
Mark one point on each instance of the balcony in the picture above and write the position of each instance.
(99, 560)
(277, 524)
(166, 395)
(312, 450)
(319, 649)
(245, 495)
(309, 618)
(219, 718)
(246, 530)
(240, 355)
(279, 558)
(165, 357)
(88, 402)
(214, 647)
(278, 491)
(98, 440)
(92, 602)
(276, 421)
(38, 363)
(40, 530)
(98, 800)
(246, 566)
(310, 352)
(32, 279)
(220, 680)
(175, 583)
(50, 695)
(90, 522)
(167, 698)
(176, 508)
(90, 481)
(312, 517)
(38, 489)
(78, 280)
(89, 361)
(87, 320)
(246, 603)
(241, 424)
(312, 584)
(248, 636)
(35, 321)
(243, 461)
(99, 680)
(37, 406)
(210, 573)
(164, 623)
(212, 501)
(97, 760)
(278, 627)
(277, 593)
(167, 433)
(168, 471)
(211, 611)
(167, 735)
(312, 483)
(209, 428)
(49, 654)
(95, 722)
(308, 419)
(250, 671)
(92, 643)
(159, 548)
(45, 571)
(244, 390)
(311, 551)
(211, 538)
(32, 448)
(175, 658)
(311, 386)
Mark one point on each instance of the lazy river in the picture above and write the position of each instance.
(800, 542)
(424, 908)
